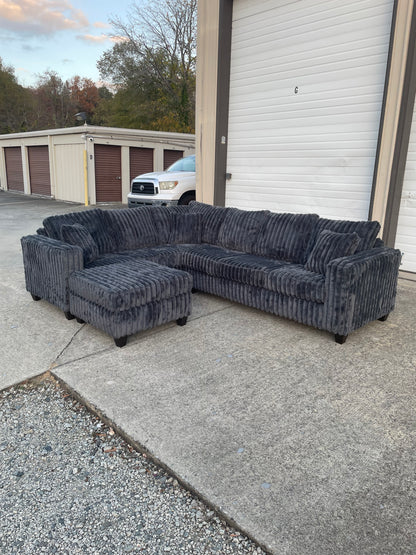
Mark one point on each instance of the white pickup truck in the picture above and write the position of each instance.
(176, 185)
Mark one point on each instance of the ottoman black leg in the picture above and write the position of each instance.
(120, 341)
(340, 339)
(384, 318)
(35, 297)
(80, 321)
(69, 316)
(182, 321)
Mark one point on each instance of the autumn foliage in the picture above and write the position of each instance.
(150, 72)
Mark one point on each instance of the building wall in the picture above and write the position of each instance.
(69, 172)
(206, 98)
(305, 104)
(66, 156)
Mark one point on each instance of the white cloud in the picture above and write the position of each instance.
(101, 25)
(40, 17)
(96, 39)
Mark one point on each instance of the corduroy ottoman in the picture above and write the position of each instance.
(123, 299)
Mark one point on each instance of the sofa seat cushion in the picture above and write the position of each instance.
(294, 280)
(203, 258)
(234, 266)
(107, 260)
(168, 255)
(240, 229)
(95, 220)
(128, 285)
(286, 237)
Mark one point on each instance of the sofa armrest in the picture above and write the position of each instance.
(360, 288)
(48, 263)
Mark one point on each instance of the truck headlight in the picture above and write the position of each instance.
(167, 185)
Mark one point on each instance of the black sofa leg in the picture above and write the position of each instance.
(340, 339)
(194, 290)
(383, 318)
(80, 321)
(182, 321)
(120, 341)
(35, 297)
(69, 316)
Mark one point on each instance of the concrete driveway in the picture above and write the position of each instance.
(308, 446)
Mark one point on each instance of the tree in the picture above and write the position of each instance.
(54, 106)
(84, 95)
(16, 103)
(153, 65)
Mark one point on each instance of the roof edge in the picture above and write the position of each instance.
(96, 129)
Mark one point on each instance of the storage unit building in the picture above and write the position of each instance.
(51, 163)
(306, 106)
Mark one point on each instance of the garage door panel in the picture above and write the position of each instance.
(107, 173)
(170, 156)
(335, 54)
(141, 161)
(14, 168)
(40, 179)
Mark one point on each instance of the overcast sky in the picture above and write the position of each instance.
(66, 36)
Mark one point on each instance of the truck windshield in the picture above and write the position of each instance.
(183, 165)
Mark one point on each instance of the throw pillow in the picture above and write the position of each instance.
(330, 245)
(79, 235)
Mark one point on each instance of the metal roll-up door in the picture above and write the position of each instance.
(141, 161)
(14, 168)
(170, 156)
(306, 90)
(40, 179)
(406, 228)
(107, 173)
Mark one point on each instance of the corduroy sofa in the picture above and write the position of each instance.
(334, 275)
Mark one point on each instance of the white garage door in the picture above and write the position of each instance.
(306, 88)
(406, 229)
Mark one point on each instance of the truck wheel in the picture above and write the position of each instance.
(186, 198)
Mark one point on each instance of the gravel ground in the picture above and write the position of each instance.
(69, 484)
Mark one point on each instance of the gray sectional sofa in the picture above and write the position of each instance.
(334, 275)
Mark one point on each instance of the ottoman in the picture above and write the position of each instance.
(123, 299)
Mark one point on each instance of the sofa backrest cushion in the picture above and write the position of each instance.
(185, 228)
(240, 228)
(328, 246)
(367, 231)
(133, 228)
(95, 220)
(286, 236)
(164, 220)
(79, 235)
(212, 218)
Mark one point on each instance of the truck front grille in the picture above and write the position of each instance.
(142, 188)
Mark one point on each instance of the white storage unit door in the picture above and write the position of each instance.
(306, 89)
(406, 229)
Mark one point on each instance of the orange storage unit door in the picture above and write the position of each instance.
(141, 161)
(170, 156)
(14, 168)
(107, 173)
(40, 179)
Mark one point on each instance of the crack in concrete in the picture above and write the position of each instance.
(54, 363)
